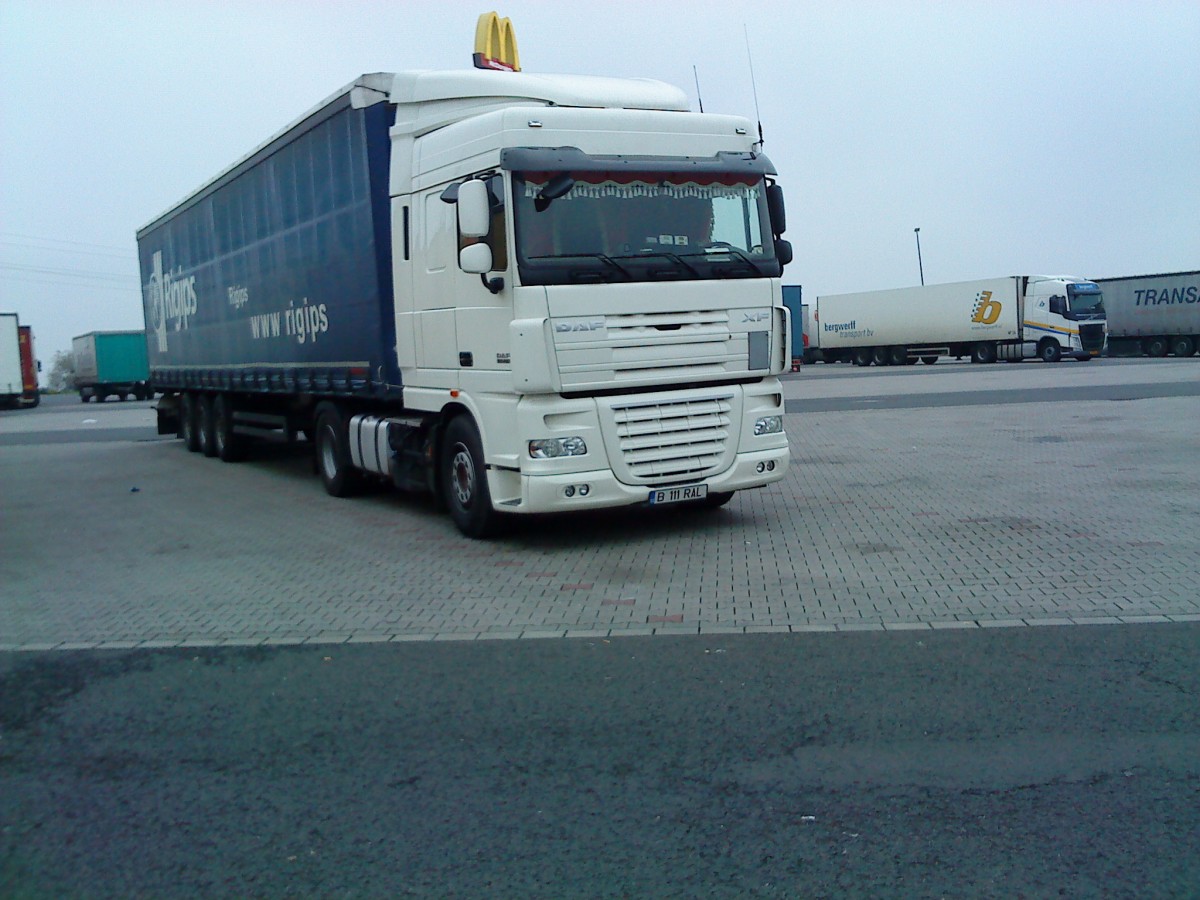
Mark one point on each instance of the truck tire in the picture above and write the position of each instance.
(862, 356)
(898, 356)
(230, 447)
(205, 433)
(332, 447)
(188, 422)
(881, 356)
(1182, 346)
(1155, 346)
(464, 479)
(983, 352)
(83, 398)
(929, 360)
(1049, 351)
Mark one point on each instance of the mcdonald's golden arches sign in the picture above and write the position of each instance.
(496, 44)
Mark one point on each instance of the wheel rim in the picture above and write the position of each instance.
(462, 475)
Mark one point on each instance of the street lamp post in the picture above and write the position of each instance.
(920, 265)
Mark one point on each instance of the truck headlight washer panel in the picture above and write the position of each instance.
(552, 448)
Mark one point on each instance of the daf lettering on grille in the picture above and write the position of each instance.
(566, 327)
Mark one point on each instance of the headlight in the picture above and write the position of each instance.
(552, 448)
(768, 425)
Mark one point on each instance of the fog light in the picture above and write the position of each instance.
(768, 425)
(569, 490)
(552, 448)
(770, 465)
(760, 468)
(584, 490)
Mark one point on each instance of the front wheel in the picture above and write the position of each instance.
(715, 500)
(1049, 351)
(464, 479)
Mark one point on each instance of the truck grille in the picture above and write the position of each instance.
(673, 441)
(651, 348)
(1091, 337)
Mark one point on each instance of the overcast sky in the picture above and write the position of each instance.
(1053, 136)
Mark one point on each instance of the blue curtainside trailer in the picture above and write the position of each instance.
(277, 275)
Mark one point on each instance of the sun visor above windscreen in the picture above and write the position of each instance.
(572, 159)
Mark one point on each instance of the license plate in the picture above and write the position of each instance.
(679, 494)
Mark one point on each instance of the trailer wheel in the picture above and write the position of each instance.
(862, 356)
(983, 352)
(230, 447)
(1183, 346)
(205, 432)
(337, 473)
(881, 356)
(464, 479)
(1155, 346)
(898, 356)
(188, 425)
(929, 360)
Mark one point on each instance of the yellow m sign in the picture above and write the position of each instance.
(496, 44)
(987, 310)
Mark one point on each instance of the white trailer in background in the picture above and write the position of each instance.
(1012, 318)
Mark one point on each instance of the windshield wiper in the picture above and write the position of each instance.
(666, 254)
(607, 260)
(741, 255)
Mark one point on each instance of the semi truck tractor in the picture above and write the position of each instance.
(111, 364)
(525, 293)
(1153, 314)
(1011, 318)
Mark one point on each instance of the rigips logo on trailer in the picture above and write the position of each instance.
(172, 300)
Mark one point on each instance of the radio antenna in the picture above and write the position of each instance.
(753, 84)
(696, 75)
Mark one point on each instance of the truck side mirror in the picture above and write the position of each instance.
(474, 211)
(475, 259)
(783, 251)
(775, 208)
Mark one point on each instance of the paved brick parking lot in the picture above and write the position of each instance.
(958, 516)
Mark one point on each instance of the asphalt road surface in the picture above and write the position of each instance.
(1058, 761)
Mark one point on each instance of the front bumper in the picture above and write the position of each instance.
(548, 493)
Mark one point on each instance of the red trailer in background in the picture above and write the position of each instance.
(30, 395)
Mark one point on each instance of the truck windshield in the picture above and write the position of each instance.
(641, 227)
(1086, 300)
